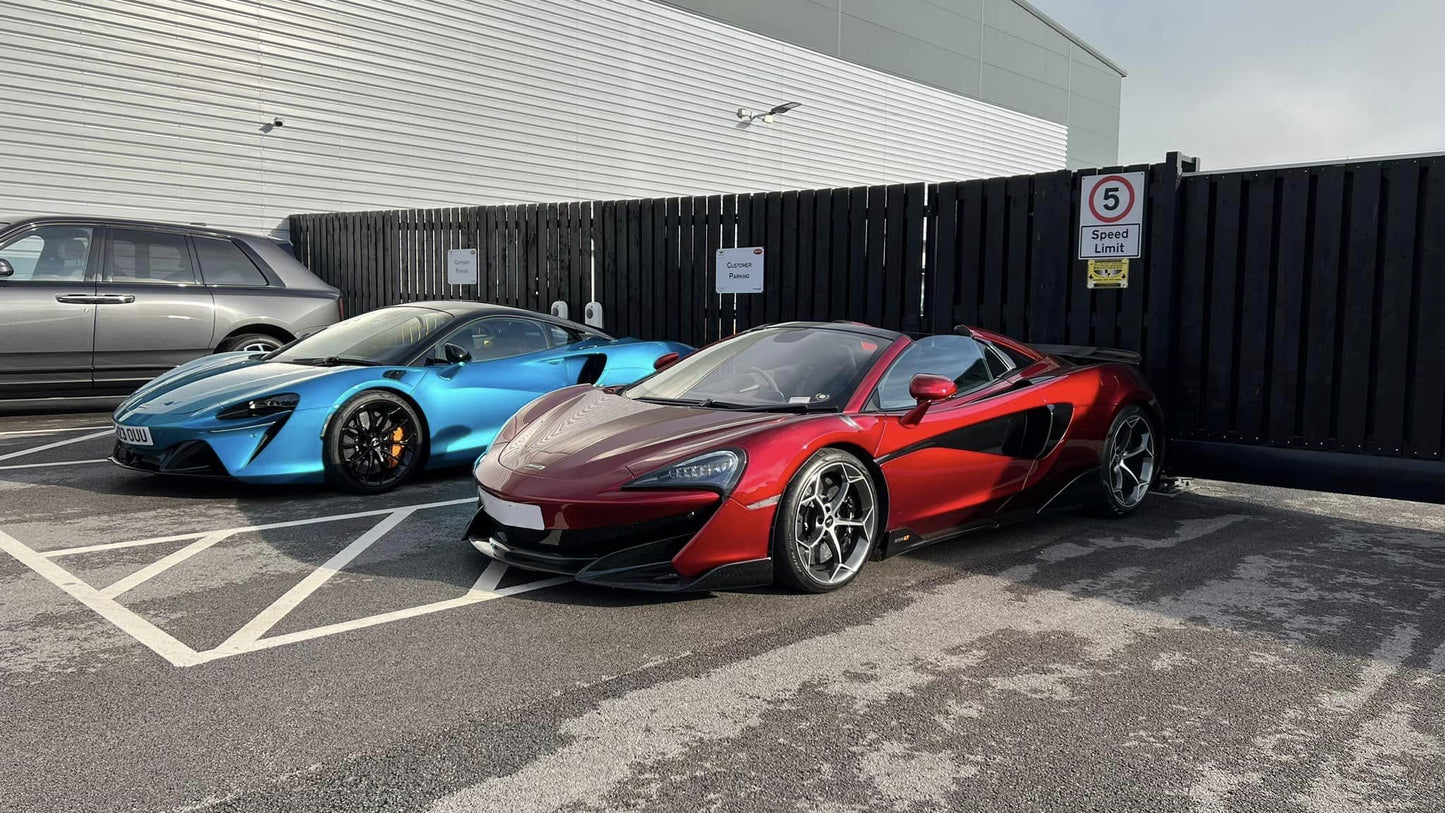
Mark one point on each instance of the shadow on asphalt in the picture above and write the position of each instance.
(1343, 585)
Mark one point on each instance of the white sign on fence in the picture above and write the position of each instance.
(740, 270)
(462, 266)
(1111, 216)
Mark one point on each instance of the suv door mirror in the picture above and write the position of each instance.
(456, 354)
(6, 269)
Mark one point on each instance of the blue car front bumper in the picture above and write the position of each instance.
(281, 449)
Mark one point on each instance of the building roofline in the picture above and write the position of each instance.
(1074, 38)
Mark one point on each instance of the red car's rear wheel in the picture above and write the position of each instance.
(1129, 464)
(827, 523)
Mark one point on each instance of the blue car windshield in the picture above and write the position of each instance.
(804, 368)
(386, 336)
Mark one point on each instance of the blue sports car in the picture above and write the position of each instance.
(369, 401)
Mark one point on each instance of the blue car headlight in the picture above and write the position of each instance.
(260, 407)
(717, 471)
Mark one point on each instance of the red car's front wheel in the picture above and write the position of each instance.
(827, 523)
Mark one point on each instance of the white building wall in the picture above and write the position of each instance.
(156, 109)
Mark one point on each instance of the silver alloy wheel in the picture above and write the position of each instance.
(259, 346)
(836, 520)
(1132, 468)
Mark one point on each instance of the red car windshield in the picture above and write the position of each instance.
(805, 368)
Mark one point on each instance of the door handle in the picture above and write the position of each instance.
(95, 299)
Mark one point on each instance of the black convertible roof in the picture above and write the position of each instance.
(843, 324)
(463, 308)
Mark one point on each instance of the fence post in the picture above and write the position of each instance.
(1159, 346)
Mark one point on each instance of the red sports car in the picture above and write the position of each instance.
(797, 452)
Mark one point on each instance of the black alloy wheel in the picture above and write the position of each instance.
(374, 443)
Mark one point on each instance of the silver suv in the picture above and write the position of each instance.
(99, 305)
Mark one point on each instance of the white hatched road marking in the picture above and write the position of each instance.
(249, 637)
(31, 432)
(159, 641)
(57, 444)
(163, 564)
(270, 526)
(48, 465)
(269, 617)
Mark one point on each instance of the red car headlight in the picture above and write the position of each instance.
(717, 471)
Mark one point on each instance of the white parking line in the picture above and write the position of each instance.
(158, 640)
(48, 465)
(29, 432)
(474, 596)
(163, 564)
(269, 617)
(249, 637)
(57, 444)
(271, 526)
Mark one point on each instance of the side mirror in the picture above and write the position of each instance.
(926, 388)
(6, 269)
(456, 354)
(666, 360)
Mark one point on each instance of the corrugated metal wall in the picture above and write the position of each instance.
(157, 109)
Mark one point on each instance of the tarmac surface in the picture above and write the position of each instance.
(171, 645)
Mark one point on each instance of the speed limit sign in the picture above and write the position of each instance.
(1111, 216)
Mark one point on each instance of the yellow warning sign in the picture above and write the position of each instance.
(1108, 273)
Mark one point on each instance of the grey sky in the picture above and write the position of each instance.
(1251, 82)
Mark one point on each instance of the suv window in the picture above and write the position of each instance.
(149, 257)
(957, 357)
(49, 254)
(494, 337)
(224, 263)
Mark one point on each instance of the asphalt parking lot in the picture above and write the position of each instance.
(180, 646)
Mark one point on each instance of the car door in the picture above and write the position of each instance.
(965, 457)
(511, 362)
(153, 313)
(47, 312)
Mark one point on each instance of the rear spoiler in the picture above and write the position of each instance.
(1080, 354)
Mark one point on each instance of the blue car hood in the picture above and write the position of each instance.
(213, 383)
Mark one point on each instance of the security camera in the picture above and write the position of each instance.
(277, 122)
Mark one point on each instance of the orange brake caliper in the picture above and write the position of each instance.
(396, 447)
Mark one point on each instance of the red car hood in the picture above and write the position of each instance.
(597, 433)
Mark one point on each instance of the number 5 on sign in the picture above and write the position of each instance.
(1111, 216)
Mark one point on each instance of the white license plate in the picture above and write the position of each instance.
(134, 435)
(515, 514)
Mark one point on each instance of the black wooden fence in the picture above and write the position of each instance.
(1289, 308)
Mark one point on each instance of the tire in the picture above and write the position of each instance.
(374, 443)
(1129, 465)
(816, 548)
(252, 342)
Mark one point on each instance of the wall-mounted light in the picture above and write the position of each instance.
(767, 117)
